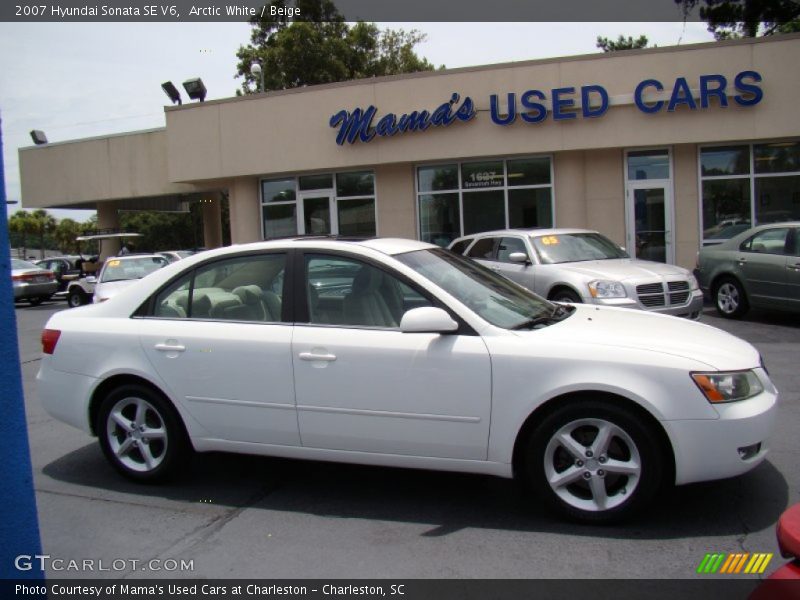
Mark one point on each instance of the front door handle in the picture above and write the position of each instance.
(742, 260)
(313, 356)
(795, 267)
(170, 348)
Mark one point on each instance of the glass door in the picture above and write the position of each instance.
(318, 214)
(652, 233)
(649, 207)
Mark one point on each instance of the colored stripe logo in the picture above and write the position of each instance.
(734, 564)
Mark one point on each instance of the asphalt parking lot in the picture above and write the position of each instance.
(243, 517)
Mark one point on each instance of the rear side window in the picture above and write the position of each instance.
(483, 248)
(248, 288)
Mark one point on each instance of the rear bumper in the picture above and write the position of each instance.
(65, 396)
(24, 290)
(712, 449)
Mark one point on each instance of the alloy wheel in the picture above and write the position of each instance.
(728, 298)
(592, 464)
(136, 434)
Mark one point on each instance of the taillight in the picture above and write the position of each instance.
(49, 340)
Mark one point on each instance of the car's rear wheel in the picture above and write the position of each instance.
(37, 301)
(76, 298)
(730, 298)
(565, 295)
(141, 434)
(593, 462)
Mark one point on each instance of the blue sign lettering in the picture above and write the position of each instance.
(594, 102)
(357, 125)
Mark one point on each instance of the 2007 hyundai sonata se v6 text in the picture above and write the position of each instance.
(399, 353)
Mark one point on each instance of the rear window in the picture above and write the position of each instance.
(118, 269)
(483, 248)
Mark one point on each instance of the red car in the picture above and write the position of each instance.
(785, 582)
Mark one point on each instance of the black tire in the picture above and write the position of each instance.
(565, 295)
(167, 455)
(76, 298)
(632, 444)
(730, 298)
(38, 300)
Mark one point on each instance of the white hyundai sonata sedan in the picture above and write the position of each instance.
(396, 352)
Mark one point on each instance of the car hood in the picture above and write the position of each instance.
(608, 328)
(623, 269)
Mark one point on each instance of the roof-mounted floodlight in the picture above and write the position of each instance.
(195, 89)
(171, 91)
(38, 137)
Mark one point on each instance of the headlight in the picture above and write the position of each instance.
(607, 289)
(693, 285)
(728, 387)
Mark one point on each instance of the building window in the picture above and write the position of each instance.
(328, 203)
(747, 184)
(462, 198)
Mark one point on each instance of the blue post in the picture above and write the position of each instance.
(19, 526)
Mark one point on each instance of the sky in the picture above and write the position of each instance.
(76, 80)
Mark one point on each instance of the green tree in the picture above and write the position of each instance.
(66, 232)
(730, 19)
(21, 224)
(43, 224)
(621, 43)
(319, 47)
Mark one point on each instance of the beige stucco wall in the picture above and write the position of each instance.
(245, 211)
(85, 171)
(289, 132)
(686, 202)
(396, 204)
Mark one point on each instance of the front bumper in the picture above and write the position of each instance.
(690, 309)
(710, 449)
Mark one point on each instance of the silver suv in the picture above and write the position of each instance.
(580, 265)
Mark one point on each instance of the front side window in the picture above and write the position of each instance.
(238, 289)
(769, 241)
(348, 292)
(509, 246)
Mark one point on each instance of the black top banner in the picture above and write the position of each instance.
(352, 10)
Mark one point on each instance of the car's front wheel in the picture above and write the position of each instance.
(37, 301)
(730, 298)
(565, 295)
(593, 462)
(141, 434)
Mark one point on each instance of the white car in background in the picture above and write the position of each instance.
(399, 353)
(119, 272)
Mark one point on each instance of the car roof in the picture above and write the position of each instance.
(532, 231)
(389, 246)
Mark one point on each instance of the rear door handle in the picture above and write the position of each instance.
(742, 260)
(170, 348)
(795, 267)
(313, 356)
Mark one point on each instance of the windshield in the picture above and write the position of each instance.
(118, 269)
(575, 247)
(496, 299)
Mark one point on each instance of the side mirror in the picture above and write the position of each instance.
(518, 257)
(427, 319)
